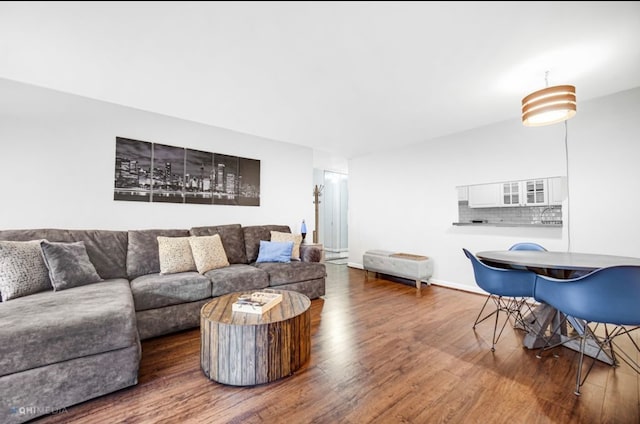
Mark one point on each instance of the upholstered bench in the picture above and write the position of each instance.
(403, 265)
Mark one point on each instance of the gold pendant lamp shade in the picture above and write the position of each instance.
(549, 106)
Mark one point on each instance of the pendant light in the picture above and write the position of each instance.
(549, 105)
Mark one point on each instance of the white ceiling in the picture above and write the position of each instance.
(346, 78)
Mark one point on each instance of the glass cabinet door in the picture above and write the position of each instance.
(535, 192)
(511, 193)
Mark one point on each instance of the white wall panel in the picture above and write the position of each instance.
(406, 199)
(57, 159)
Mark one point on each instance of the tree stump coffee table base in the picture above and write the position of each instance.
(244, 349)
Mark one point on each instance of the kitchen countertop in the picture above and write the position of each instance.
(505, 224)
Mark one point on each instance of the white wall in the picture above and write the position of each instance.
(405, 199)
(328, 162)
(57, 156)
(57, 159)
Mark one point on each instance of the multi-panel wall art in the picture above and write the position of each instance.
(152, 172)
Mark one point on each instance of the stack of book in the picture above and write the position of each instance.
(256, 302)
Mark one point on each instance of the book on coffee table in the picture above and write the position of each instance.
(256, 302)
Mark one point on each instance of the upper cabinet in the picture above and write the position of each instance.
(484, 195)
(533, 192)
(463, 193)
(525, 193)
(511, 194)
(557, 190)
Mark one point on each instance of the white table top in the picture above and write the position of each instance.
(556, 260)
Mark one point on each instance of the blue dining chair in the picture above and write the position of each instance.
(608, 296)
(521, 320)
(527, 246)
(507, 288)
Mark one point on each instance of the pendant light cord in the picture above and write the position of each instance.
(566, 155)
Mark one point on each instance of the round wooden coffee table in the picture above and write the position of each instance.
(245, 349)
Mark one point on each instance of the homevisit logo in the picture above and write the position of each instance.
(36, 410)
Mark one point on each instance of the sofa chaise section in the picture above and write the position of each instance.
(62, 348)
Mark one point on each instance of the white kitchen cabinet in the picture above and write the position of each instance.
(524, 193)
(511, 194)
(557, 190)
(463, 193)
(485, 195)
(535, 192)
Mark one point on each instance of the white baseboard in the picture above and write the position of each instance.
(457, 286)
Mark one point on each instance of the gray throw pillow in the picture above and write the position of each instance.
(22, 269)
(69, 265)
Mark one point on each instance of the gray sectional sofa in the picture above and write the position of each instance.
(59, 348)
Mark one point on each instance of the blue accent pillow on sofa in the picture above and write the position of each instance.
(274, 251)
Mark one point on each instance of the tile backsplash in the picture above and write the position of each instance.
(511, 215)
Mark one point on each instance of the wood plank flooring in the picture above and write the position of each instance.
(379, 354)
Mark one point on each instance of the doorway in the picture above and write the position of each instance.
(333, 216)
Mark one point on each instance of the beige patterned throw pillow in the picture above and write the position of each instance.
(295, 238)
(175, 255)
(208, 253)
(22, 269)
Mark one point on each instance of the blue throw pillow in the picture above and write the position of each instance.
(274, 251)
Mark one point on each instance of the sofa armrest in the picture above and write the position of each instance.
(310, 253)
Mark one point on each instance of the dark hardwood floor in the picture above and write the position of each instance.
(379, 354)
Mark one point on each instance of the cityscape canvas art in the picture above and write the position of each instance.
(152, 172)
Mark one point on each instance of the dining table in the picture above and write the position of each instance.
(545, 318)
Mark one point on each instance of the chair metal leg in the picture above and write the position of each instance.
(626, 358)
(495, 327)
(586, 333)
(504, 305)
(583, 344)
(526, 320)
(478, 320)
(547, 345)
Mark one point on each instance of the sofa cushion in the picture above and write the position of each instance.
(310, 253)
(274, 251)
(208, 253)
(49, 327)
(157, 290)
(69, 265)
(174, 254)
(107, 250)
(160, 321)
(253, 235)
(142, 251)
(232, 240)
(293, 272)
(236, 277)
(313, 289)
(295, 238)
(22, 269)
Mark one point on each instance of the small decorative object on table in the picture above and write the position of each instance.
(256, 302)
(303, 230)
